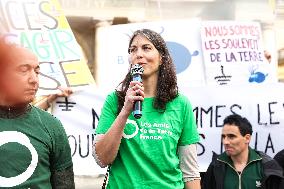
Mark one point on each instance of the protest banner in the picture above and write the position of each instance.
(41, 26)
(233, 53)
(183, 41)
(80, 115)
(265, 111)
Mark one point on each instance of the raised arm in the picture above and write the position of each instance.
(48, 100)
(106, 146)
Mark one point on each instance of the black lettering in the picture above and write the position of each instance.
(95, 117)
(210, 110)
(233, 107)
(221, 147)
(272, 112)
(75, 144)
(258, 116)
(256, 139)
(217, 116)
(93, 140)
(66, 105)
(201, 145)
(195, 111)
(269, 144)
(80, 149)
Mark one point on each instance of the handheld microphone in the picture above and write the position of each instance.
(136, 73)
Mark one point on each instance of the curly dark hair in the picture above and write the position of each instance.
(167, 89)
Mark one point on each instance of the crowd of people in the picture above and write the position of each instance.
(43, 160)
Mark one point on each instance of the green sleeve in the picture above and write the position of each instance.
(108, 114)
(61, 153)
(189, 133)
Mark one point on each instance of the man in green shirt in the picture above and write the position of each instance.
(34, 150)
(241, 167)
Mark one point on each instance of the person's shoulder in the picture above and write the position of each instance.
(264, 156)
(45, 117)
(111, 100)
(112, 96)
(270, 164)
(266, 159)
(182, 101)
(217, 158)
(181, 98)
(279, 157)
(42, 113)
(279, 154)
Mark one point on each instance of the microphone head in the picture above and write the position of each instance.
(136, 69)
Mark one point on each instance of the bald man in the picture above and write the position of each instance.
(34, 149)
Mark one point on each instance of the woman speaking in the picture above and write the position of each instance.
(159, 149)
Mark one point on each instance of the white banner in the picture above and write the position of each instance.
(211, 104)
(262, 105)
(80, 115)
(233, 53)
(182, 38)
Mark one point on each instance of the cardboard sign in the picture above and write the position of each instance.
(233, 53)
(41, 26)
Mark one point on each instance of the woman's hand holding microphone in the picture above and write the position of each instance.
(134, 93)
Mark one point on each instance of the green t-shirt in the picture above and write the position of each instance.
(31, 147)
(147, 156)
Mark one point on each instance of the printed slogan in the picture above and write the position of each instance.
(41, 26)
(233, 53)
(265, 112)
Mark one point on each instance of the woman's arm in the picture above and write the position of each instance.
(195, 184)
(106, 148)
(189, 166)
